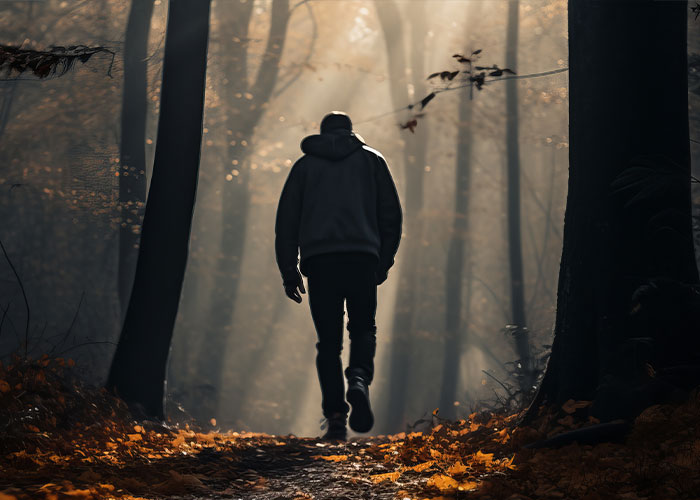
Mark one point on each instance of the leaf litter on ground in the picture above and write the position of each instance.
(61, 439)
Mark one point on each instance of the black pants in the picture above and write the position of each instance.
(335, 279)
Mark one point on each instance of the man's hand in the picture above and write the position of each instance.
(294, 287)
(293, 292)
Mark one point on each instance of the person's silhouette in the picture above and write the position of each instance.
(340, 213)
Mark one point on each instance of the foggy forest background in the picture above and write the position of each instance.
(242, 353)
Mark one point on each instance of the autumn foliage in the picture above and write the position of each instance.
(62, 439)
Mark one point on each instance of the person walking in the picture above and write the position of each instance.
(339, 224)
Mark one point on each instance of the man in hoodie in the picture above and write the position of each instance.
(340, 213)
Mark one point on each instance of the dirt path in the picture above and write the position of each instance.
(204, 466)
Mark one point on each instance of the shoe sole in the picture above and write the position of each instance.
(361, 418)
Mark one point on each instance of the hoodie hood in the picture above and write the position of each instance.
(334, 145)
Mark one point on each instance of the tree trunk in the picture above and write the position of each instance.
(7, 94)
(132, 174)
(414, 163)
(610, 249)
(138, 369)
(235, 181)
(457, 262)
(515, 249)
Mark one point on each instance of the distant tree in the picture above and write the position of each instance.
(138, 369)
(627, 221)
(515, 251)
(7, 94)
(246, 104)
(457, 303)
(458, 263)
(414, 160)
(132, 178)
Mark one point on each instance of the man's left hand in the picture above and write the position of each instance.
(294, 288)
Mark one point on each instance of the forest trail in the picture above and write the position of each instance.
(64, 440)
(147, 463)
(211, 465)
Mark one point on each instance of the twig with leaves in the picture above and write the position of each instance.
(478, 76)
(56, 61)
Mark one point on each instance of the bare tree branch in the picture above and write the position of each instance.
(24, 295)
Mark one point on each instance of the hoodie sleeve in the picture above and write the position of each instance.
(389, 216)
(287, 225)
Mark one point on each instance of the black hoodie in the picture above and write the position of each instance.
(339, 197)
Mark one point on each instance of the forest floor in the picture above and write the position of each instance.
(60, 439)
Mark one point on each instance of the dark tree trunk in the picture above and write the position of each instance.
(138, 369)
(191, 323)
(458, 264)
(515, 248)
(414, 162)
(132, 174)
(609, 249)
(235, 181)
(7, 94)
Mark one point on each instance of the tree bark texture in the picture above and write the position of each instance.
(621, 115)
(138, 369)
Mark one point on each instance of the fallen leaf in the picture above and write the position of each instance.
(457, 468)
(391, 476)
(442, 482)
(485, 458)
(508, 463)
(467, 485)
(332, 458)
(571, 406)
(423, 466)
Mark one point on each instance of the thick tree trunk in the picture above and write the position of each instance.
(609, 249)
(138, 369)
(515, 249)
(458, 264)
(235, 181)
(132, 173)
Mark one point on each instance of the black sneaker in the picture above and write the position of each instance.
(336, 427)
(361, 418)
